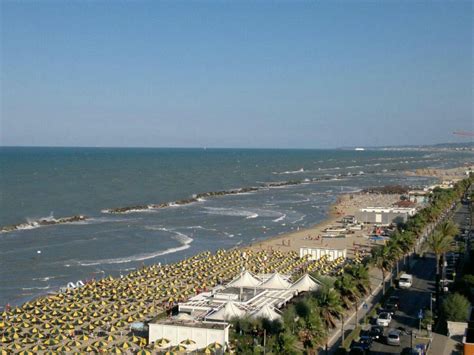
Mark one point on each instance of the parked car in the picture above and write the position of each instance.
(375, 333)
(393, 300)
(393, 337)
(389, 308)
(384, 319)
(365, 342)
(377, 330)
(357, 350)
(405, 281)
(410, 351)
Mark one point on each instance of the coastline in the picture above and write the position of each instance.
(153, 290)
(344, 205)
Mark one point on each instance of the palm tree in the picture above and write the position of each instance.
(382, 259)
(347, 289)
(449, 229)
(329, 306)
(406, 241)
(395, 251)
(360, 274)
(439, 243)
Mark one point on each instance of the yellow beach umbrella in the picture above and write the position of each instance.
(38, 347)
(215, 345)
(188, 342)
(126, 345)
(179, 347)
(50, 342)
(63, 348)
(84, 337)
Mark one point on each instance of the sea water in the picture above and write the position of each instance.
(61, 182)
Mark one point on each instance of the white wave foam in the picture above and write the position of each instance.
(289, 172)
(222, 211)
(281, 218)
(35, 288)
(299, 219)
(183, 239)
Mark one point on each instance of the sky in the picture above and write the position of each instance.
(256, 74)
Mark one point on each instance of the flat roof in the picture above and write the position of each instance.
(192, 324)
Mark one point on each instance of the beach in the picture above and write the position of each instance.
(97, 316)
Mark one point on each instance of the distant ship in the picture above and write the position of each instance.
(359, 149)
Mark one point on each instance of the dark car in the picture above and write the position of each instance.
(375, 333)
(393, 300)
(377, 329)
(389, 308)
(365, 342)
(409, 351)
(357, 350)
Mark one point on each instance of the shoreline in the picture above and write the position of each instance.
(293, 240)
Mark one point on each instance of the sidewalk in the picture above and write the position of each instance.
(335, 338)
(443, 345)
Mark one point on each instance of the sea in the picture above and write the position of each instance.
(50, 183)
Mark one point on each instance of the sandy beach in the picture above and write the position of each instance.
(97, 316)
(347, 204)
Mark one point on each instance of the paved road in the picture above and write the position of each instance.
(411, 301)
(418, 296)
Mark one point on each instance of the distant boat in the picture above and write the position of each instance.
(359, 149)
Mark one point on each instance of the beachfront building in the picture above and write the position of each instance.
(385, 215)
(247, 295)
(193, 334)
(419, 196)
(317, 253)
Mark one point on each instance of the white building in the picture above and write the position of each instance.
(178, 331)
(385, 215)
(317, 253)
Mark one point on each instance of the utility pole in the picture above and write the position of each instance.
(342, 330)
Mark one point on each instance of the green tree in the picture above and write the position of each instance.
(383, 260)
(286, 343)
(329, 305)
(455, 308)
(360, 274)
(347, 289)
(439, 244)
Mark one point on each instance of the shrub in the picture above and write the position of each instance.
(455, 308)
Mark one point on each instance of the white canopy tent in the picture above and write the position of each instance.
(246, 279)
(267, 312)
(276, 281)
(227, 312)
(305, 284)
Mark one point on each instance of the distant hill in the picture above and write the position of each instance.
(455, 146)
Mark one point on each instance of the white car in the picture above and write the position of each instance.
(405, 281)
(384, 319)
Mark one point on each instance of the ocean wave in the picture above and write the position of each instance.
(299, 219)
(35, 288)
(182, 238)
(42, 222)
(281, 218)
(289, 172)
(223, 211)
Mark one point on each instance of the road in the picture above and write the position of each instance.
(411, 301)
(418, 296)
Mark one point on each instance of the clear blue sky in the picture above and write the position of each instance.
(308, 74)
